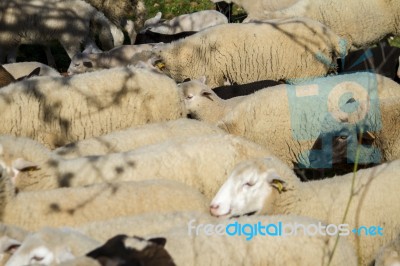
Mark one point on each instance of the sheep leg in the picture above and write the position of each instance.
(49, 56)
(12, 55)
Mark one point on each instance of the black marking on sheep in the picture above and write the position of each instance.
(116, 250)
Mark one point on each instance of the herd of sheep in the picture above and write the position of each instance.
(200, 121)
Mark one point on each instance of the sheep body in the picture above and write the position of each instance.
(269, 186)
(380, 17)
(133, 138)
(256, 54)
(142, 224)
(74, 206)
(272, 123)
(195, 21)
(51, 246)
(205, 249)
(201, 162)
(57, 111)
(46, 20)
(118, 56)
(21, 69)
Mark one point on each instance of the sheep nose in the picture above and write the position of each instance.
(214, 209)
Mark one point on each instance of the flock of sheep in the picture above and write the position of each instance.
(199, 120)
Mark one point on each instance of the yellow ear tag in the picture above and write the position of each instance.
(160, 65)
(278, 185)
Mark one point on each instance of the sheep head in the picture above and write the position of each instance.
(248, 190)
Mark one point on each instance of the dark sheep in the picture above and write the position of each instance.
(382, 59)
(154, 37)
(230, 91)
(116, 250)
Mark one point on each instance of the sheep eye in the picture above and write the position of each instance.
(37, 258)
(343, 137)
(189, 97)
(249, 184)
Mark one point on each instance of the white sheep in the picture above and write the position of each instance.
(56, 111)
(133, 138)
(50, 246)
(389, 255)
(203, 104)
(287, 119)
(256, 54)
(21, 69)
(201, 162)
(269, 186)
(379, 16)
(195, 21)
(46, 20)
(74, 206)
(88, 61)
(211, 245)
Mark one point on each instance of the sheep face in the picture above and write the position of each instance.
(198, 98)
(246, 191)
(26, 255)
(81, 63)
(45, 247)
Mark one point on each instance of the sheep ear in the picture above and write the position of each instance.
(202, 79)
(9, 245)
(276, 181)
(161, 241)
(206, 94)
(157, 17)
(23, 165)
(157, 62)
(65, 254)
(91, 50)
